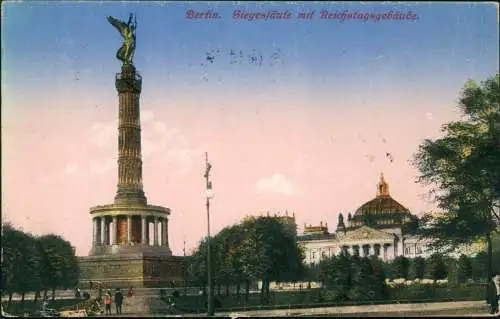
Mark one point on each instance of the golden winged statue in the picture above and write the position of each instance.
(127, 30)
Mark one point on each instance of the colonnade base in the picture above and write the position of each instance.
(144, 269)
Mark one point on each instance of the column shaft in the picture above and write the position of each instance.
(94, 232)
(144, 230)
(103, 230)
(164, 232)
(156, 231)
(129, 229)
(115, 231)
(108, 241)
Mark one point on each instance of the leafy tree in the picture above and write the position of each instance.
(197, 268)
(336, 274)
(480, 266)
(480, 263)
(257, 249)
(10, 256)
(451, 269)
(353, 278)
(269, 253)
(59, 264)
(400, 266)
(417, 268)
(464, 268)
(227, 257)
(436, 267)
(463, 169)
(313, 272)
(21, 262)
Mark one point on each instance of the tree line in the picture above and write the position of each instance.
(36, 263)
(347, 274)
(258, 249)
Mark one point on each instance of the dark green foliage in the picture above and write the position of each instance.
(21, 262)
(31, 306)
(30, 264)
(353, 278)
(436, 267)
(463, 169)
(400, 267)
(417, 268)
(59, 263)
(480, 264)
(464, 269)
(259, 249)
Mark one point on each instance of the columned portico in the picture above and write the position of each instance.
(355, 250)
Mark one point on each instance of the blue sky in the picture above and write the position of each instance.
(57, 39)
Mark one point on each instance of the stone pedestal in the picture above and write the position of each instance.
(143, 269)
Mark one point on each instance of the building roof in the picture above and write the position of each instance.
(315, 236)
(382, 205)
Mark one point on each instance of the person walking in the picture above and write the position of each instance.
(492, 297)
(118, 301)
(496, 281)
(131, 292)
(107, 303)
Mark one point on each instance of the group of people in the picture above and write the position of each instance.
(108, 300)
(493, 295)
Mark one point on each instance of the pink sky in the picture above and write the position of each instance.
(303, 130)
(283, 151)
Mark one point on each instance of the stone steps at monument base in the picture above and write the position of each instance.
(145, 304)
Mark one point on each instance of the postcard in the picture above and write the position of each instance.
(137, 131)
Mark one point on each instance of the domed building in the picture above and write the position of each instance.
(382, 212)
(382, 227)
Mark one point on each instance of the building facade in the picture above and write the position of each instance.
(381, 227)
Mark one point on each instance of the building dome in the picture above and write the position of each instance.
(383, 210)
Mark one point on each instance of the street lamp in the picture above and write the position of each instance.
(208, 195)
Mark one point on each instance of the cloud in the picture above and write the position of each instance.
(277, 183)
(429, 115)
(103, 134)
(165, 145)
(101, 167)
(72, 169)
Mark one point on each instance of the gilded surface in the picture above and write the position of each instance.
(127, 30)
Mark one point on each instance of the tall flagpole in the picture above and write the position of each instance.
(210, 309)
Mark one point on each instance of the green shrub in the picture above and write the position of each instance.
(16, 307)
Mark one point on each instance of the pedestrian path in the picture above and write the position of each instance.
(476, 307)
